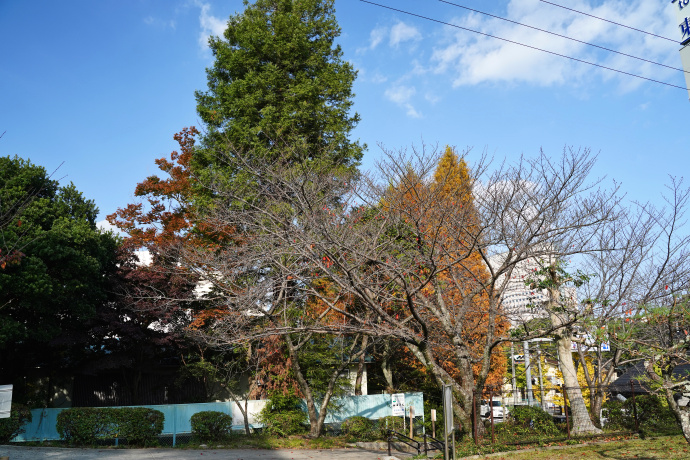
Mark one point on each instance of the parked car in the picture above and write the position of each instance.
(499, 410)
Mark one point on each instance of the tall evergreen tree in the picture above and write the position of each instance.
(279, 80)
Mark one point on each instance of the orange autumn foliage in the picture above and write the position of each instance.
(441, 209)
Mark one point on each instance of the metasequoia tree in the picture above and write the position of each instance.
(454, 286)
(392, 245)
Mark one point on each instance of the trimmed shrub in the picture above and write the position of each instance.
(211, 426)
(654, 415)
(358, 427)
(139, 425)
(390, 423)
(14, 425)
(283, 415)
(532, 419)
(84, 426)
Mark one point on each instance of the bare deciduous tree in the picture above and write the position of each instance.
(325, 251)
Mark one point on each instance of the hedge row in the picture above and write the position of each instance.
(85, 425)
(13, 426)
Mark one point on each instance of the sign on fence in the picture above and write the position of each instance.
(5, 400)
(398, 404)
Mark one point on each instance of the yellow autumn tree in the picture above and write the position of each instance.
(451, 188)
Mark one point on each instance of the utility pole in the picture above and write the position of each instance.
(512, 360)
(528, 374)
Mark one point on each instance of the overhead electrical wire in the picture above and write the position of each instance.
(607, 20)
(563, 36)
(521, 44)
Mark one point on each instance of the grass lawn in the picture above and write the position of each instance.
(672, 447)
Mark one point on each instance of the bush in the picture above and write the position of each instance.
(653, 414)
(85, 425)
(390, 423)
(283, 415)
(211, 426)
(531, 420)
(360, 428)
(139, 425)
(14, 425)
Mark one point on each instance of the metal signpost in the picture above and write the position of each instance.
(448, 425)
(5, 400)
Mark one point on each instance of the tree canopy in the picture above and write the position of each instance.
(63, 272)
(279, 79)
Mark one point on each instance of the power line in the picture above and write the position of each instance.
(522, 44)
(564, 36)
(607, 20)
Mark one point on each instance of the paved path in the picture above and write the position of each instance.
(54, 453)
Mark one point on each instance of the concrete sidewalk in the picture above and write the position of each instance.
(55, 453)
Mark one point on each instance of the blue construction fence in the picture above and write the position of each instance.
(178, 416)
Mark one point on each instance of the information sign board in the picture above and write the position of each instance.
(398, 404)
(5, 400)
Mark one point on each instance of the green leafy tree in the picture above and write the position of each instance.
(279, 80)
(63, 272)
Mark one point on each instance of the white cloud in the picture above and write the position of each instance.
(106, 226)
(161, 23)
(474, 59)
(378, 78)
(210, 25)
(431, 97)
(402, 32)
(376, 37)
(401, 95)
(144, 256)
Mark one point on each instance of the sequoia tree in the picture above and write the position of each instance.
(279, 79)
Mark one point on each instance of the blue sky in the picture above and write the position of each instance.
(103, 85)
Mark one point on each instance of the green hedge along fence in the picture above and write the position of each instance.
(85, 426)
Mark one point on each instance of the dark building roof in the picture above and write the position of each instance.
(638, 377)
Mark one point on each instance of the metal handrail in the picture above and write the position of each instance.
(435, 444)
(410, 442)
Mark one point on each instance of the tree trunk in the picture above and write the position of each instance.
(243, 410)
(582, 423)
(360, 367)
(317, 416)
(682, 414)
(386, 366)
(462, 394)
(561, 321)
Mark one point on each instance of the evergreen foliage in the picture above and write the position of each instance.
(14, 424)
(359, 428)
(62, 274)
(279, 79)
(283, 415)
(211, 426)
(85, 426)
